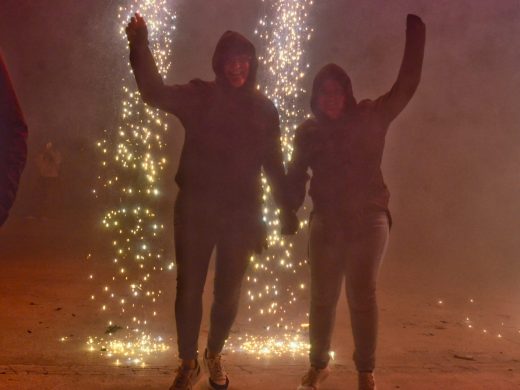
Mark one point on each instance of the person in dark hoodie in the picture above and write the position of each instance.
(343, 146)
(13, 146)
(232, 131)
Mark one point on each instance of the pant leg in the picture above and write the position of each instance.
(234, 250)
(326, 279)
(366, 246)
(194, 242)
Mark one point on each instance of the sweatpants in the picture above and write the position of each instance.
(352, 251)
(197, 233)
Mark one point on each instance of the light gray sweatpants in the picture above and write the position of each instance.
(352, 250)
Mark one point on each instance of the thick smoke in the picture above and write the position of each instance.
(451, 162)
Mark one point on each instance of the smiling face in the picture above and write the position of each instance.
(236, 69)
(331, 99)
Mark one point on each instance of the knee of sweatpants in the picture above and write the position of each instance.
(362, 300)
(227, 295)
(187, 292)
(324, 298)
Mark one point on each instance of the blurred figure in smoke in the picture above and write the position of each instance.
(48, 162)
(343, 146)
(232, 131)
(13, 146)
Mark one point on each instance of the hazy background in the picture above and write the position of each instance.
(451, 161)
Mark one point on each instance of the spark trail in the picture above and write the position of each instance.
(274, 283)
(133, 158)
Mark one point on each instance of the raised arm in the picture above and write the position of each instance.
(173, 99)
(13, 147)
(393, 102)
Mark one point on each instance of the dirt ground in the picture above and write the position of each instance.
(469, 341)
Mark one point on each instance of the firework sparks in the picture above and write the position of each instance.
(273, 282)
(133, 159)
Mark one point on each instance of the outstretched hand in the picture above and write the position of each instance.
(136, 30)
(413, 20)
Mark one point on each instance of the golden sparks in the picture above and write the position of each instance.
(133, 158)
(273, 285)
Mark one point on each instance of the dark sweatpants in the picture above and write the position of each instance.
(352, 251)
(197, 232)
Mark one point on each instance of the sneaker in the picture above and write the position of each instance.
(366, 381)
(313, 378)
(218, 379)
(186, 377)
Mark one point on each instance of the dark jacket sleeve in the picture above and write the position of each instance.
(297, 175)
(273, 160)
(393, 102)
(175, 99)
(13, 147)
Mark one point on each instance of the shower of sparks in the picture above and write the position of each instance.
(273, 284)
(133, 158)
(285, 31)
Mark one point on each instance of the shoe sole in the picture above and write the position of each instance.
(209, 386)
(208, 383)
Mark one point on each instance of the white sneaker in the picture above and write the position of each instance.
(366, 381)
(186, 377)
(313, 378)
(218, 379)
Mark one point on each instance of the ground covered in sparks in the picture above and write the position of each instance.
(463, 335)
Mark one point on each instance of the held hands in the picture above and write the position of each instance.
(136, 31)
(289, 226)
(289, 223)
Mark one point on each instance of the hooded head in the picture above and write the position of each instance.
(332, 72)
(234, 45)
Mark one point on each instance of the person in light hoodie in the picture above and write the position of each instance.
(349, 226)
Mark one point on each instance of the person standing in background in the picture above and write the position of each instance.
(49, 163)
